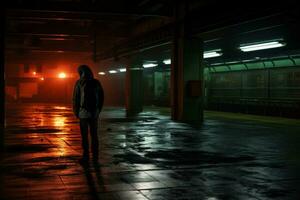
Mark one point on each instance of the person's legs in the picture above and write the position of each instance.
(94, 137)
(84, 138)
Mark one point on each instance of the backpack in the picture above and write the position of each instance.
(88, 90)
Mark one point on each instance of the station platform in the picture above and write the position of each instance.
(149, 157)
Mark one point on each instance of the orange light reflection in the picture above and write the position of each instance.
(59, 122)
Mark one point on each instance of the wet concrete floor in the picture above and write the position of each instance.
(150, 157)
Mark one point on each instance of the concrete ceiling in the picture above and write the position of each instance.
(111, 28)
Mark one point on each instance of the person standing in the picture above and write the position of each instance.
(88, 98)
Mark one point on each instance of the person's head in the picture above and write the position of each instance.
(85, 71)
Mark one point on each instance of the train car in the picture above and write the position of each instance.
(260, 86)
(268, 87)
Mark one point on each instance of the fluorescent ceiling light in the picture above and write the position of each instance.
(101, 73)
(211, 54)
(261, 46)
(149, 65)
(112, 71)
(122, 70)
(167, 61)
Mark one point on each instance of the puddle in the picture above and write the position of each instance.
(178, 157)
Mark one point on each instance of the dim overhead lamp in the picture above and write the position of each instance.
(62, 75)
(101, 73)
(167, 61)
(149, 65)
(112, 71)
(211, 54)
(122, 70)
(261, 46)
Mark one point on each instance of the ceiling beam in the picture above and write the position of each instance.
(199, 28)
(127, 10)
(158, 37)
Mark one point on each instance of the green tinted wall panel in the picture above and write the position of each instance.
(297, 61)
(255, 65)
(268, 64)
(206, 74)
(283, 63)
(221, 69)
(237, 67)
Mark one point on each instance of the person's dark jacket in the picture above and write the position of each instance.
(78, 109)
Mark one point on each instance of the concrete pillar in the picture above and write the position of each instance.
(134, 88)
(187, 81)
(2, 78)
(186, 72)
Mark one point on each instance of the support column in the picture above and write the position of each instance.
(134, 88)
(2, 78)
(186, 73)
(187, 81)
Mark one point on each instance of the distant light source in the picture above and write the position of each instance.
(55, 38)
(211, 54)
(149, 65)
(34, 73)
(167, 61)
(101, 73)
(42, 78)
(261, 46)
(122, 70)
(112, 71)
(211, 198)
(62, 75)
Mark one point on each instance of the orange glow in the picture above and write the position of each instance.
(62, 75)
(42, 78)
(34, 73)
(59, 121)
(60, 107)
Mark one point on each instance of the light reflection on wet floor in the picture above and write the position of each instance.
(149, 157)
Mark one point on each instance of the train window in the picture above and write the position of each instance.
(297, 76)
(279, 78)
(297, 79)
(226, 80)
(255, 79)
